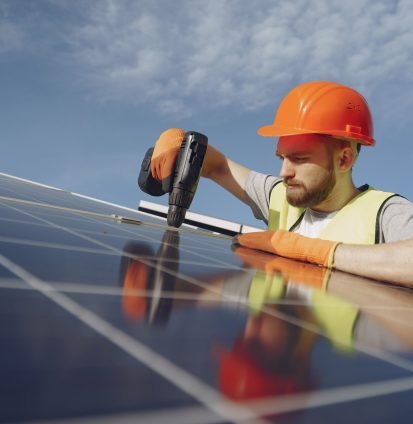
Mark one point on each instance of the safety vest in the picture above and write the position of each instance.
(357, 222)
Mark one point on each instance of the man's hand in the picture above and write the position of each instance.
(165, 153)
(291, 245)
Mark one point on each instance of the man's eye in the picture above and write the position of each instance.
(299, 158)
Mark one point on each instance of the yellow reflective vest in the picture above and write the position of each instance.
(356, 222)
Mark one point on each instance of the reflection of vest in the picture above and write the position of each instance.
(356, 222)
(336, 317)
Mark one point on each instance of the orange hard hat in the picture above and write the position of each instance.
(241, 378)
(323, 107)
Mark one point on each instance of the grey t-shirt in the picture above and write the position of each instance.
(396, 217)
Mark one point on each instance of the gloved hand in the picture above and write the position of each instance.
(291, 245)
(135, 282)
(165, 153)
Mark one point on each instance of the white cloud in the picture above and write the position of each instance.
(233, 53)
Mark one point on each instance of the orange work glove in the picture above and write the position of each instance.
(291, 245)
(165, 153)
(310, 275)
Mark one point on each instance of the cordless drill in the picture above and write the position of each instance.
(184, 180)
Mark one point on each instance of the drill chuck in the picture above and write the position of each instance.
(176, 216)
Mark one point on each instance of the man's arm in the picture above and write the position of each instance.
(391, 262)
(225, 172)
(386, 262)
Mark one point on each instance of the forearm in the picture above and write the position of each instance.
(225, 172)
(386, 262)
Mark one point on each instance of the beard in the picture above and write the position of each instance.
(302, 196)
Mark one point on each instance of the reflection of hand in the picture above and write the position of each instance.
(135, 283)
(290, 270)
(165, 153)
(291, 245)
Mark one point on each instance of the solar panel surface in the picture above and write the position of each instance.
(112, 320)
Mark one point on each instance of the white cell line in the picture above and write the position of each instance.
(122, 229)
(49, 245)
(384, 356)
(392, 359)
(92, 199)
(81, 196)
(105, 245)
(182, 249)
(94, 289)
(180, 415)
(81, 249)
(35, 201)
(103, 216)
(90, 232)
(12, 177)
(183, 261)
(47, 206)
(187, 278)
(332, 396)
(268, 406)
(89, 289)
(180, 378)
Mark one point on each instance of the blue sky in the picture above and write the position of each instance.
(87, 85)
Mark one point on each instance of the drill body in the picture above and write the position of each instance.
(184, 180)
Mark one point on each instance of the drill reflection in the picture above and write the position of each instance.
(290, 307)
(145, 281)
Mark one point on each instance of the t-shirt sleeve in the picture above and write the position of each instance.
(396, 220)
(258, 189)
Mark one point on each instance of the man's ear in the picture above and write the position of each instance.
(346, 158)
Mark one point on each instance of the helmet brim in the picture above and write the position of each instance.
(274, 131)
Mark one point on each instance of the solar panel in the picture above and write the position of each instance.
(108, 315)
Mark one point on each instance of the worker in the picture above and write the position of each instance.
(314, 211)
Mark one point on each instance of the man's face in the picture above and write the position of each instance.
(307, 169)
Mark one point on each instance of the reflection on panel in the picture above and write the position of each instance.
(103, 318)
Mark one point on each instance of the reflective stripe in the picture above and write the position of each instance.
(264, 288)
(337, 317)
(354, 223)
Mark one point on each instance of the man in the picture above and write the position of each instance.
(314, 212)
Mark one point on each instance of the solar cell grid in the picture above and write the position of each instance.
(103, 320)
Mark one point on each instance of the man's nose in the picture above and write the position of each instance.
(287, 170)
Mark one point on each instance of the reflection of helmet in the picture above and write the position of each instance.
(323, 107)
(241, 378)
